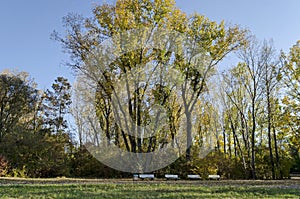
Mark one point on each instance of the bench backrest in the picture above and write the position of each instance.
(213, 176)
(194, 176)
(171, 176)
(146, 175)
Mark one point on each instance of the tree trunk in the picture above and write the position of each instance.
(269, 136)
(139, 122)
(276, 153)
(224, 140)
(253, 141)
(237, 144)
(189, 135)
(229, 145)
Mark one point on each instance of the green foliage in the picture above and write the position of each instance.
(19, 172)
(84, 165)
(17, 102)
(31, 149)
(56, 105)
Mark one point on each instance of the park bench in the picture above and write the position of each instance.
(146, 176)
(193, 177)
(214, 177)
(295, 175)
(171, 177)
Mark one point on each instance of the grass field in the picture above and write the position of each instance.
(76, 188)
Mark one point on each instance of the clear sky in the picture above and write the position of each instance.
(26, 26)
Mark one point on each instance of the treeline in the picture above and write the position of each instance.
(36, 138)
(240, 123)
(33, 132)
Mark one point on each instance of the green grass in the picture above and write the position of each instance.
(129, 189)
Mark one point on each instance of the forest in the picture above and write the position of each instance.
(149, 81)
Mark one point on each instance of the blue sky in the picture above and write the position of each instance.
(26, 26)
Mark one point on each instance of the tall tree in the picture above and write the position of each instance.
(253, 59)
(209, 43)
(17, 102)
(196, 57)
(57, 104)
(272, 70)
(236, 101)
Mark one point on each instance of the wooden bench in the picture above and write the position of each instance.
(146, 176)
(171, 177)
(194, 177)
(214, 177)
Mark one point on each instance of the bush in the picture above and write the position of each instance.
(19, 172)
(3, 166)
(84, 165)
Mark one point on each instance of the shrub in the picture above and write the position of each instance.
(3, 166)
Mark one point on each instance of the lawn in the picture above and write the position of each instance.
(68, 188)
